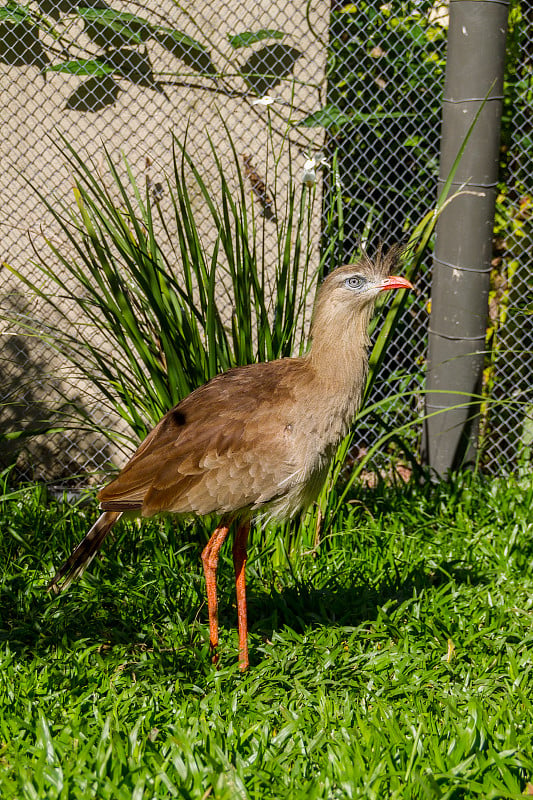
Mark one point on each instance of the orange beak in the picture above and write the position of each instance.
(394, 282)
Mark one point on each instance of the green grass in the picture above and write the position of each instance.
(395, 662)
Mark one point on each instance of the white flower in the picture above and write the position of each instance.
(309, 172)
(310, 167)
(264, 101)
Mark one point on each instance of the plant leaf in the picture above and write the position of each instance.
(331, 115)
(13, 12)
(134, 65)
(83, 66)
(249, 37)
(110, 28)
(327, 116)
(184, 47)
(180, 38)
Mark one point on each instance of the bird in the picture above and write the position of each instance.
(255, 441)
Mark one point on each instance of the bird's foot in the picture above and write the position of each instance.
(215, 656)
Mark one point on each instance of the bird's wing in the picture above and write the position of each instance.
(225, 447)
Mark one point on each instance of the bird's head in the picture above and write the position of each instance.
(350, 291)
(357, 285)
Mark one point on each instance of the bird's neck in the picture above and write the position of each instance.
(339, 356)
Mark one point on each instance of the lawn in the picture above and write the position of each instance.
(395, 661)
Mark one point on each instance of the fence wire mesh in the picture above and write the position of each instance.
(362, 80)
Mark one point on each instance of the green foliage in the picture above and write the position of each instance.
(386, 58)
(516, 134)
(115, 28)
(385, 72)
(510, 308)
(394, 661)
(13, 12)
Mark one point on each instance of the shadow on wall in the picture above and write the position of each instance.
(267, 67)
(32, 406)
(128, 47)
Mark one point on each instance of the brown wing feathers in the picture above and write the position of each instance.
(206, 439)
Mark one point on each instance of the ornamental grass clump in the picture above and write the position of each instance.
(158, 311)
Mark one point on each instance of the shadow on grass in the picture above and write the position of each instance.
(101, 621)
(170, 619)
(348, 604)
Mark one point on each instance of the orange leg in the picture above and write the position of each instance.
(210, 561)
(239, 563)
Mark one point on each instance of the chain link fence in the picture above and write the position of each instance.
(362, 80)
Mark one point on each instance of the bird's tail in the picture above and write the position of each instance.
(84, 552)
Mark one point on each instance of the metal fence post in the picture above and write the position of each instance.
(461, 264)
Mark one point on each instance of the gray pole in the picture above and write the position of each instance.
(461, 264)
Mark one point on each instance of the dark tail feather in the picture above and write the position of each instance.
(84, 552)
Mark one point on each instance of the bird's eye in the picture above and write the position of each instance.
(354, 282)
